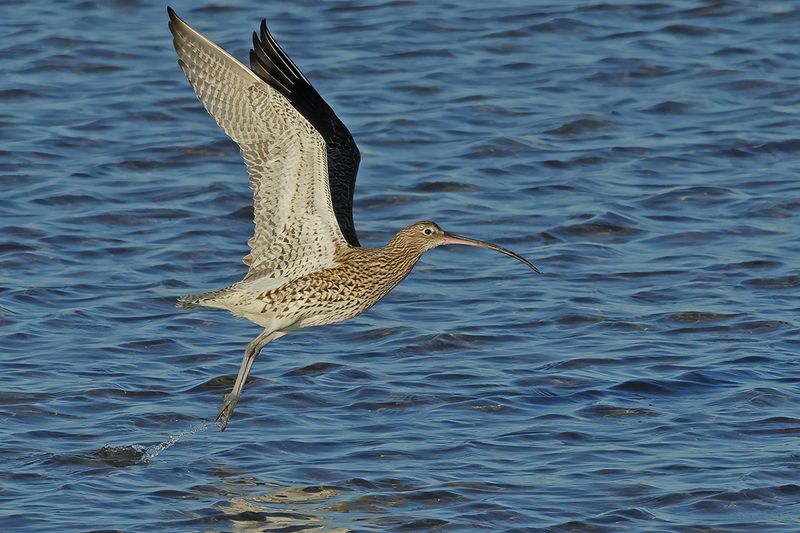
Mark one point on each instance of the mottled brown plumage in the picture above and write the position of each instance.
(306, 267)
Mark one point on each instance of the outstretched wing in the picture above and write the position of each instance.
(274, 66)
(287, 156)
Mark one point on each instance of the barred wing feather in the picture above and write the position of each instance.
(287, 157)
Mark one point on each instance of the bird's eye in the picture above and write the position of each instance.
(427, 231)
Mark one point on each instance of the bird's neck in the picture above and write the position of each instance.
(384, 267)
(400, 257)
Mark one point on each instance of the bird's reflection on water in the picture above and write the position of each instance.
(283, 509)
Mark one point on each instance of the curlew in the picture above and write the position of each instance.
(306, 266)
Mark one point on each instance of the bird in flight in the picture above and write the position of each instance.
(306, 266)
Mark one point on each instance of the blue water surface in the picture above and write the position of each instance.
(643, 154)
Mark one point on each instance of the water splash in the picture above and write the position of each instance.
(155, 450)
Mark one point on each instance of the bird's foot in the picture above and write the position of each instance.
(226, 410)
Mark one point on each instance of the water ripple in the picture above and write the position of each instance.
(644, 154)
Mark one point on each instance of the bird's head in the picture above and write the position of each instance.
(422, 236)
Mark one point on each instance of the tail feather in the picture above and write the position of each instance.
(203, 299)
(188, 301)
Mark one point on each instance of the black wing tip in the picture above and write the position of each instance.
(263, 72)
(175, 22)
(266, 33)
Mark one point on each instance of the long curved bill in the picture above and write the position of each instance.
(449, 238)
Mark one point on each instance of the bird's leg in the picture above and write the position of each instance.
(250, 353)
